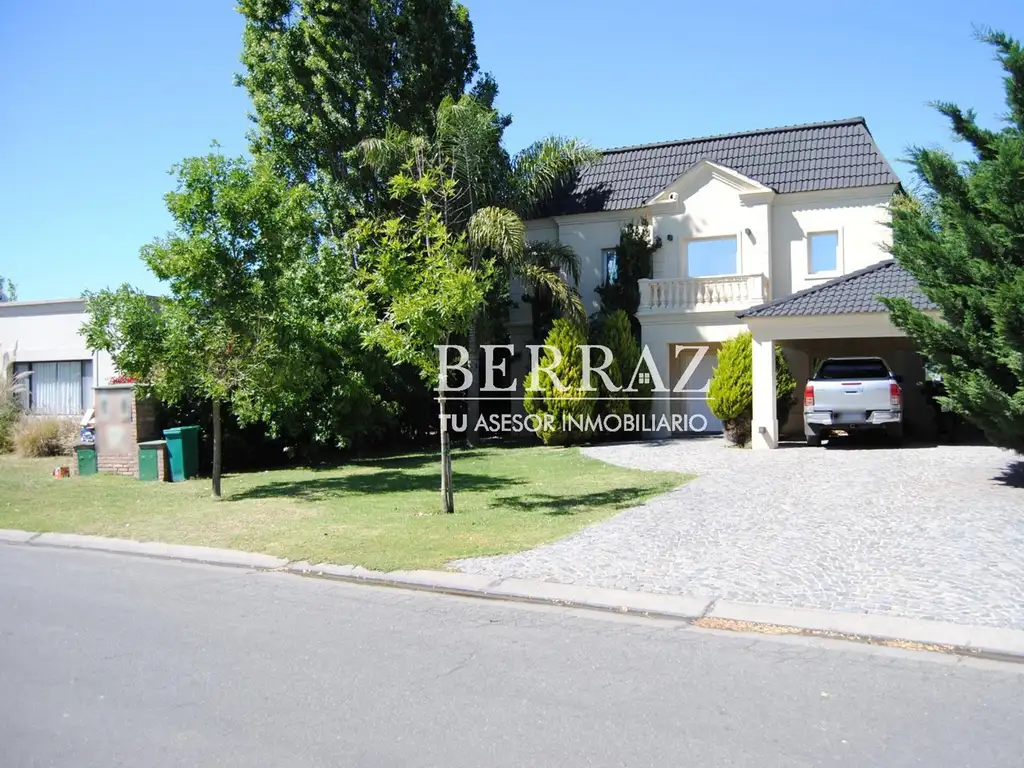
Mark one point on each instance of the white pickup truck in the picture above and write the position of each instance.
(853, 394)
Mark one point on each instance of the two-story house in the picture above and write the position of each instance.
(782, 231)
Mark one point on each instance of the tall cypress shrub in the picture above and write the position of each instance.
(963, 240)
(617, 335)
(731, 393)
(551, 404)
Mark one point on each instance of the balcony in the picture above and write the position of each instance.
(729, 293)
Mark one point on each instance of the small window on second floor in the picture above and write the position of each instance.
(610, 257)
(822, 252)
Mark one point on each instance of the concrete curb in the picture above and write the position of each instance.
(619, 600)
(959, 638)
(16, 537)
(982, 640)
(208, 555)
(434, 581)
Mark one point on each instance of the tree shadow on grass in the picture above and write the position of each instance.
(564, 506)
(409, 461)
(1012, 475)
(381, 482)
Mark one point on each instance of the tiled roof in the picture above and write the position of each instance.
(798, 158)
(850, 293)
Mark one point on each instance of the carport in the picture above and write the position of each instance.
(840, 317)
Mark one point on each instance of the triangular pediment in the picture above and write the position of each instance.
(703, 173)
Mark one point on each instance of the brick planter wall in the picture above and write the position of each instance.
(123, 420)
(164, 467)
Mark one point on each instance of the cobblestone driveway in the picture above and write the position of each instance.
(933, 533)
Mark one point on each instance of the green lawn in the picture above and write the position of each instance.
(380, 513)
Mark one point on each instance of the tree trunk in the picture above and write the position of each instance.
(472, 396)
(447, 496)
(217, 448)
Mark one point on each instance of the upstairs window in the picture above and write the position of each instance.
(610, 257)
(711, 257)
(822, 252)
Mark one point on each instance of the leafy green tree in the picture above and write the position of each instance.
(731, 393)
(416, 287)
(634, 260)
(335, 392)
(491, 195)
(8, 291)
(238, 228)
(555, 402)
(963, 240)
(323, 75)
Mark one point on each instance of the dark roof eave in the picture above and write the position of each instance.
(835, 298)
(815, 288)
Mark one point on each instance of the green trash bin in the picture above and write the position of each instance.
(86, 458)
(151, 454)
(183, 452)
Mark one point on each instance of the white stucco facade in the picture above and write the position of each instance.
(771, 232)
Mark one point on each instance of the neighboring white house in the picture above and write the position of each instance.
(774, 230)
(41, 337)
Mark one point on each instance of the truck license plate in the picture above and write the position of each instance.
(851, 417)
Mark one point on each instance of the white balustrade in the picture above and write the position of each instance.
(703, 294)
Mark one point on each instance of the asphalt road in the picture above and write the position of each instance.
(110, 660)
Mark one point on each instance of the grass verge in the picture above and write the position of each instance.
(381, 513)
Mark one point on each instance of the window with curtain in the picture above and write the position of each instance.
(57, 388)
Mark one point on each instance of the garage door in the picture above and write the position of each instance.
(701, 379)
(694, 402)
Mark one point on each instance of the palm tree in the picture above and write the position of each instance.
(491, 194)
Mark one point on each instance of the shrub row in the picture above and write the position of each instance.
(574, 402)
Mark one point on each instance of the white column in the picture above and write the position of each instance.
(765, 427)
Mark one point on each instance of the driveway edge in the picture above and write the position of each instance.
(989, 642)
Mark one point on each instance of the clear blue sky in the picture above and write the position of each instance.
(98, 100)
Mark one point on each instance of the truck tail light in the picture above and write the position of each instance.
(809, 396)
(895, 395)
